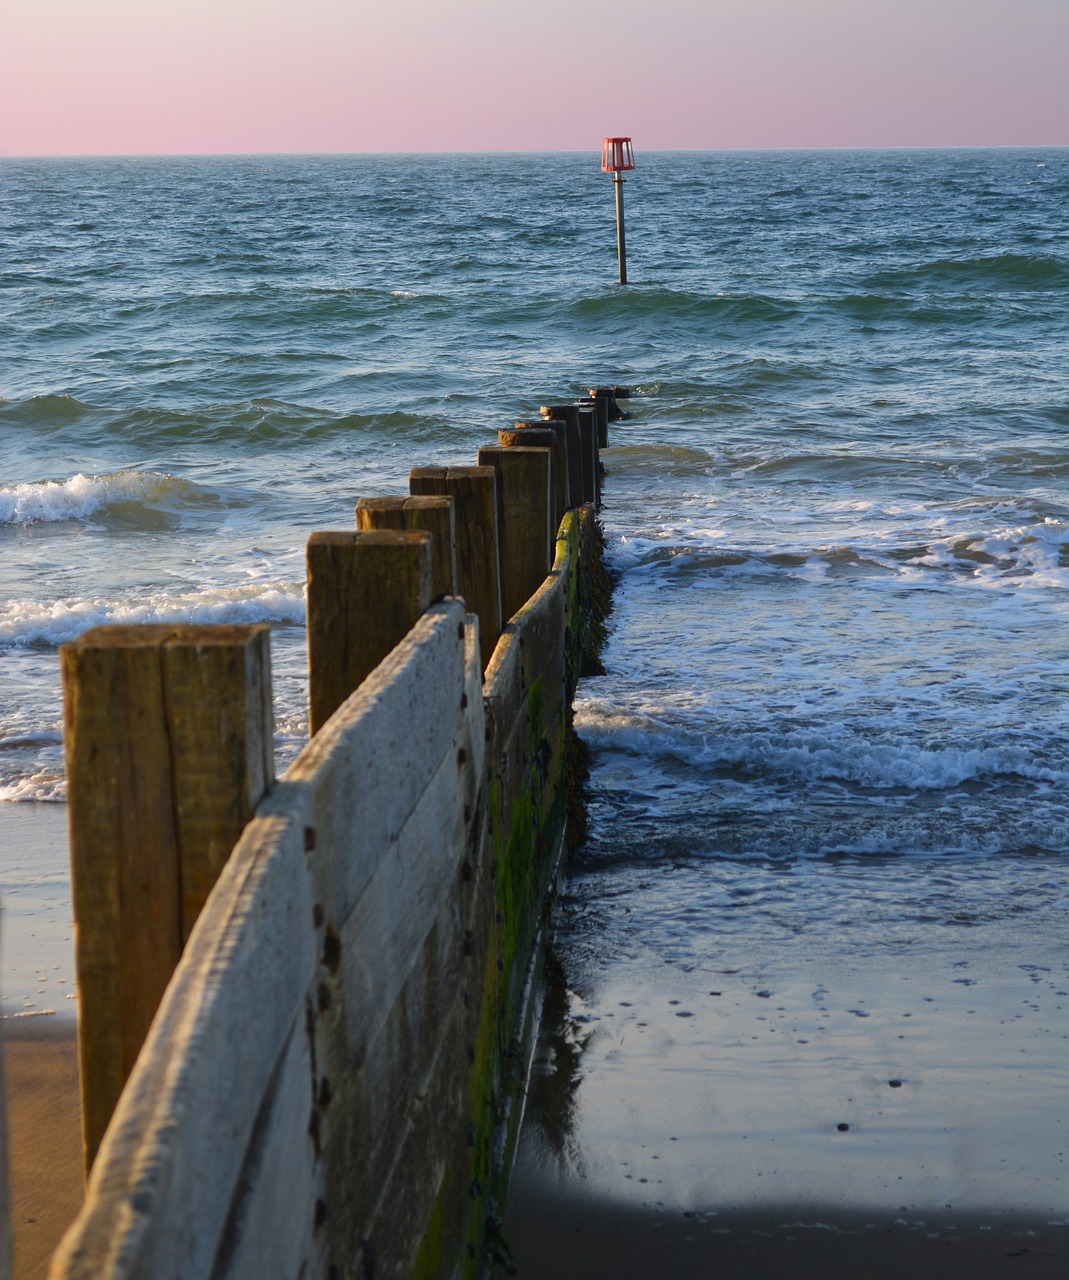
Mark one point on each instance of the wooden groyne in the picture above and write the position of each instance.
(341, 959)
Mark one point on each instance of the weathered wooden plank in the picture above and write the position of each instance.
(390, 738)
(541, 624)
(365, 593)
(361, 917)
(525, 520)
(168, 735)
(274, 1225)
(160, 1191)
(474, 494)
(433, 515)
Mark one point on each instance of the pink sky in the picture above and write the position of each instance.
(193, 76)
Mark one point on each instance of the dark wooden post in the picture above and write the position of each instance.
(474, 494)
(600, 405)
(170, 747)
(366, 591)
(588, 431)
(431, 515)
(520, 433)
(525, 517)
(578, 419)
(569, 415)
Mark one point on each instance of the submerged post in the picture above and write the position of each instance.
(169, 744)
(616, 156)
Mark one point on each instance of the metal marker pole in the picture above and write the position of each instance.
(621, 243)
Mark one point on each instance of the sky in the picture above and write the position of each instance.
(105, 77)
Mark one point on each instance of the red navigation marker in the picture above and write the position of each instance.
(617, 154)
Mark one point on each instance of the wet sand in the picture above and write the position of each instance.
(818, 1113)
(36, 930)
(44, 1137)
(571, 1238)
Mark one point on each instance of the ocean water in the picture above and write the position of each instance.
(835, 690)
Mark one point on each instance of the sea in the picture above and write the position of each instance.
(837, 512)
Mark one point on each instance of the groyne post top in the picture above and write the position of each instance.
(433, 515)
(518, 434)
(525, 515)
(366, 591)
(169, 744)
(474, 494)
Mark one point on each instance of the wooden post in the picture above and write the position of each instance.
(366, 591)
(585, 444)
(433, 516)
(520, 434)
(170, 747)
(525, 520)
(569, 415)
(601, 410)
(474, 494)
(588, 431)
(613, 411)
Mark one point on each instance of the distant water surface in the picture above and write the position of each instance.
(836, 683)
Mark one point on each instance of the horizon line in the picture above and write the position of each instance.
(504, 151)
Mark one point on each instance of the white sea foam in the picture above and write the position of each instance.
(1032, 554)
(31, 622)
(39, 788)
(829, 754)
(82, 496)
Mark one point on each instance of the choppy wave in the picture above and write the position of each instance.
(83, 497)
(1024, 271)
(1033, 556)
(35, 623)
(682, 305)
(821, 755)
(262, 422)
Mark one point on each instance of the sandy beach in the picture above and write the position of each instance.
(44, 1136)
(39, 1032)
